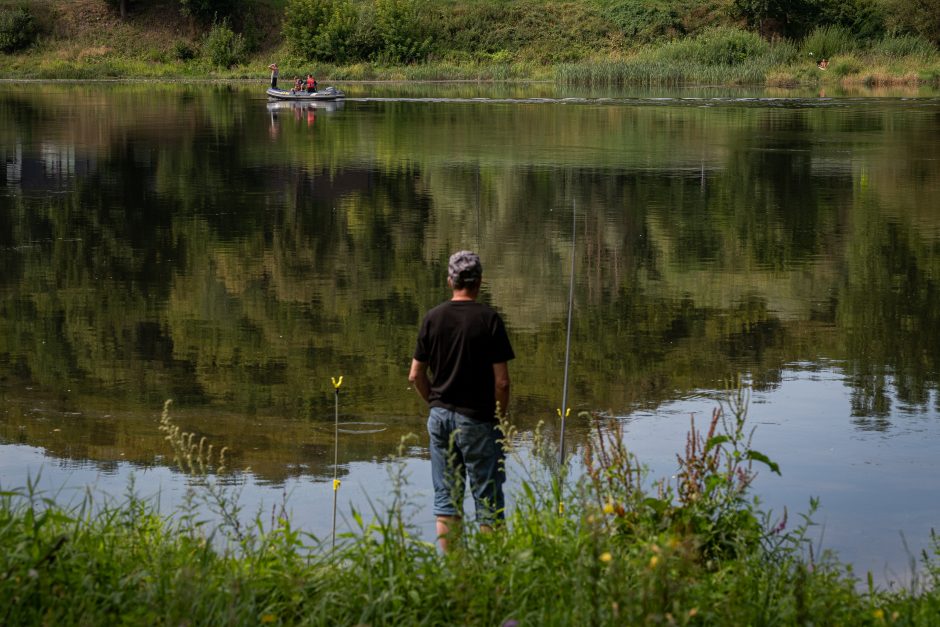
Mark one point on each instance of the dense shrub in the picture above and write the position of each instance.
(17, 29)
(223, 46)
(322, 29)
(645, 20)
(403, 33)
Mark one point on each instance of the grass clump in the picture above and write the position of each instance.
(900, 46)
(716, 56)
(603, 547)
(828, 41)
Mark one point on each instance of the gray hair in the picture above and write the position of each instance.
(464, 269)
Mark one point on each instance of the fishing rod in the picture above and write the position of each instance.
(564, 388)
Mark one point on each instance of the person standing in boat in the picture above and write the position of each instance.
(465, 345)
(274, 75)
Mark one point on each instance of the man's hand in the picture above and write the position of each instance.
(501, 377)
(419, 378)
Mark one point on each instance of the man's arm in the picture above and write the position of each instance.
(501, 375)
(419, 378)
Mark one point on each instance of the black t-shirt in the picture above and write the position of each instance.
(460, 341)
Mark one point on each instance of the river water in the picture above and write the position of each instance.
(197, 243)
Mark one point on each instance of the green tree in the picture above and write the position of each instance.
(921, 17)
(791, 18)
(224, 47)
(864, 18)
(17, 29)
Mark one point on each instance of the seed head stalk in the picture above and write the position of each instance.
(564, 410)
(336, 385)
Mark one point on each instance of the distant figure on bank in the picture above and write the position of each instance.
(823, 64)
(465, 345)
(274, 73)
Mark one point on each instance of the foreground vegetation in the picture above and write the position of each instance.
(598, 549)
(870, 42)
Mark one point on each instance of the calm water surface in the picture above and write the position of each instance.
(199, 244)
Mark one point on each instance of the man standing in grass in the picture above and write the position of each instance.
(465, 345)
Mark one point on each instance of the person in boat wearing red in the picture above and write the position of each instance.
(311, 83)
(465, 345)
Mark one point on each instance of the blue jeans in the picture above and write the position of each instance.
(461, 447)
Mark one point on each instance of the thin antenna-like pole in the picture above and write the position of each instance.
(336, 384)
(564, 389)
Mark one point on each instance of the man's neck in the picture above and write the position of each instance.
(465, 295)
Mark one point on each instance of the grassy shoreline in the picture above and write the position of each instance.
(641, 69)
(602, 548)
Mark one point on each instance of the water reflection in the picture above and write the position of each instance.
(199, 244)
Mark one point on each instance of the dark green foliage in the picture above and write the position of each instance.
(402, 31)
(388, 31)
(223, 46)
(321, 29)
(17, 29)
(210, 9)
(865, 19)
(919, 17)
(790, 18)
(646, 20)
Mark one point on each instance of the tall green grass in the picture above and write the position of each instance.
(828, 41)
(899, 46)
(605, 547)
(716, 56)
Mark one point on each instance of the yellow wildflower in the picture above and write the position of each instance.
(268, 618)
(337, 382)
(606, 557)
(609, 507)
(336, 483)
(654, 561)
(879, 614)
